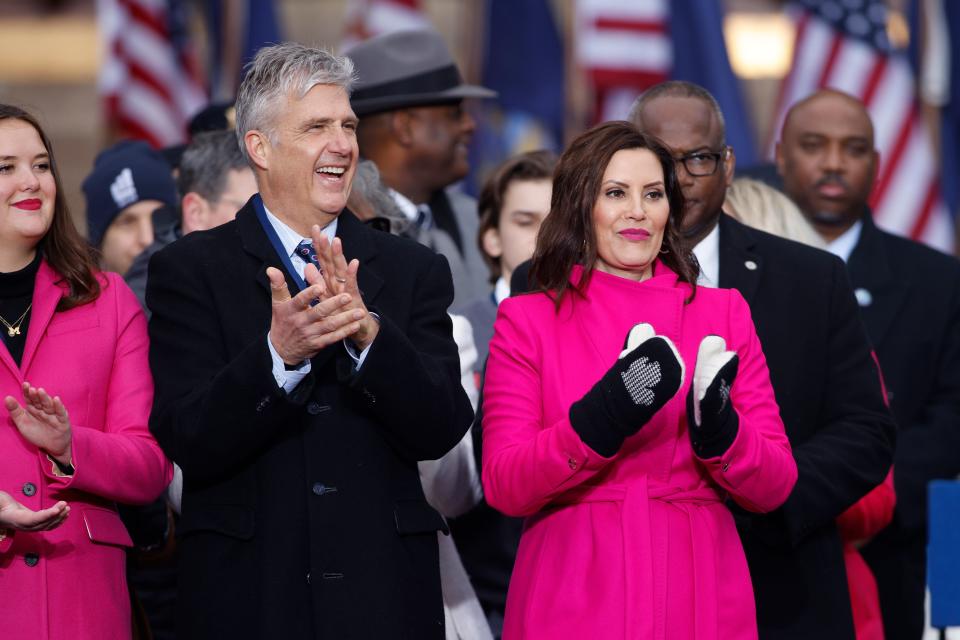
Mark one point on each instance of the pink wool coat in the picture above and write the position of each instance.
(69, 583)
(640, 545)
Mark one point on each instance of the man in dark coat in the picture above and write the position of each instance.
(821, 367)
(909, 297)
(304, 363)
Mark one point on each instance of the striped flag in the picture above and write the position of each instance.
(149, 80)
(367, 18)
(844, 46)
(624, 47)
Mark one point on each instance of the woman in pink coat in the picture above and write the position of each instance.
(77, 392)
(621, 452)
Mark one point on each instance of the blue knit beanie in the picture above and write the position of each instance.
(123, 175)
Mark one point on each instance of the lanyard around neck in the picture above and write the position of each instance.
(275, 241)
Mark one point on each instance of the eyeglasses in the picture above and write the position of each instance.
(702, 163)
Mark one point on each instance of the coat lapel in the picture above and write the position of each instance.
(740, 265)
(46, 297)
(358, 243)
(257, 245)
(879, 290)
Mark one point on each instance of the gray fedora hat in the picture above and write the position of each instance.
(407, 69)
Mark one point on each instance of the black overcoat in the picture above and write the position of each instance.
(303, 514)
(830, 398)
(911, 307)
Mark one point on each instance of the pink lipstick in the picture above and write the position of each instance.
(30, 204)
(635, 235)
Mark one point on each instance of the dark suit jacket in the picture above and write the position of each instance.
(830, 398)
(303, 514)
(913, 319)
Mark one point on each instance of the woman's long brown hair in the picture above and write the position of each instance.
(63, 246)
(567, 236)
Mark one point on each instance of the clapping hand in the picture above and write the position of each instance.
(339, 277)
(298, 329)
(14, 515)
(647, 374)
(43, 421)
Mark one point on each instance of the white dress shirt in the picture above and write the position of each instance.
(708, 255)
(844, 244)
(290, 240)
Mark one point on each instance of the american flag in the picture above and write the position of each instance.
(844, 45)
(367, 18)
(624, 48)
(149, 80)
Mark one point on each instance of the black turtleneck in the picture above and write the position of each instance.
(16, 294)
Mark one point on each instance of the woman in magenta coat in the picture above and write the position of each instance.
(623, 406)
(77, 393)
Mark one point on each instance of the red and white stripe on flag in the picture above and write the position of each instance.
(150, 88)
(367, 18)
(906, 198)
(624, 48)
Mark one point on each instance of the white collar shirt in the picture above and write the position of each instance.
(707, 252)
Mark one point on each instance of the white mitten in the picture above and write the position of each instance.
(713, 422)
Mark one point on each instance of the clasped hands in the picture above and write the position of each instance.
(43, 421)
(647, 374)
(298, 330)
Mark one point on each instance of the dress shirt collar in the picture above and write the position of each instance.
(708, 255)
(843, 246)
(290, 239)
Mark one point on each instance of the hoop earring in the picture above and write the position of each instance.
(664, 251)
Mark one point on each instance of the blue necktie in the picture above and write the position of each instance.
(306, 252)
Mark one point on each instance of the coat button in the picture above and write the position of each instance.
(572, 464)
(264, 401)
(750, 265)
(724, 467)
(315, 408)
(31, 559)
(320, 489)
(29, 489)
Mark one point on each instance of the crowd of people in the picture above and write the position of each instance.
(296, 384)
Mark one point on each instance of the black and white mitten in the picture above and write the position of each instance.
(710, 415)
(647, 374)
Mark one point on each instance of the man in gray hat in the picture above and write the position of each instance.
(409, 98)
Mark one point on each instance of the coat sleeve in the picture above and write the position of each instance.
(428, 414)
(870, 514)
(526, 463)
(122, 462)
(758, 469)
(852, 451)
(212, 411)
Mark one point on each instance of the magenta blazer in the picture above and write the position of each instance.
(69, 583)
(640, 545)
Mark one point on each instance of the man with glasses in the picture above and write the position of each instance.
(821, 367)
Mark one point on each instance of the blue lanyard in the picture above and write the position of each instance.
(275, 241)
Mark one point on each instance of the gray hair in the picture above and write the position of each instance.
(206, 161)
(678, 89)
(278, 70)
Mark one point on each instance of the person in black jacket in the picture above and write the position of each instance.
(304, 363)
(823, 374)
(909, 298)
